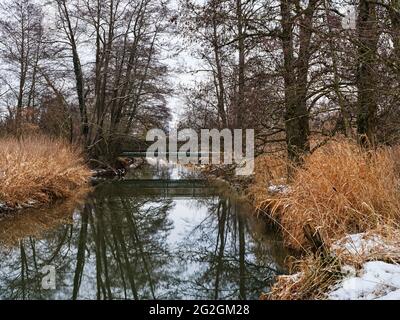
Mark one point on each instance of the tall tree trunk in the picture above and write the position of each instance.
(296, 79)
(77, 70)
(220, 86)
(366, 80)
(24, 52)
(242, 59)
(102, 79)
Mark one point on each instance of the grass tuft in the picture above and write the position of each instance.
(341, 189)
(316, 276)
(38, 170)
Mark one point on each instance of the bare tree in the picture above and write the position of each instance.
(20, 49)
(67, 26)
(366, 80)
(122, 83)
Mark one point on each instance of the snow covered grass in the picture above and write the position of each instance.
(313, 279)
(381, 244)
(376, 280)
(371, 266)
(38, 170)
(359, 266)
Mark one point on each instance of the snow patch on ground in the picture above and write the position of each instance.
(362, 244)
(376, 280)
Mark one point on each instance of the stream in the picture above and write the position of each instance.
(159, 233)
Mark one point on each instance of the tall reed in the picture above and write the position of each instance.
(340, 189)
(38, 170)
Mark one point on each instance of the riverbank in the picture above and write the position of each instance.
(341, 192)
(37, 171)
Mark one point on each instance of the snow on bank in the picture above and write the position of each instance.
(364, 246)
(375, 279)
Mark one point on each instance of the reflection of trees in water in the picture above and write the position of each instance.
(119, 247)
(128, 239)
(228, 263)
(20, 267)
(117, 250)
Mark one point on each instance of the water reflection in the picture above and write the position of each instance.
(126, 244)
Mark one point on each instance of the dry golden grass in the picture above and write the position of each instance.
(269, 170)
(316, 277)
(341, 189)
(39, 170)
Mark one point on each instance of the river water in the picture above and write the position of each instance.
(158, 234)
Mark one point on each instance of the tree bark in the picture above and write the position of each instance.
(220, 86)
(241, 67)
(366, 79)
(296, 79)
(77, 70)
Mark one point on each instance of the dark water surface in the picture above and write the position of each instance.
(155, 235)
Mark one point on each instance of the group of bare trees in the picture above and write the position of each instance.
(295, 71)
(291, 69)
(89, 70)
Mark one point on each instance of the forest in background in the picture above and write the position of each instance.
(94, 72)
